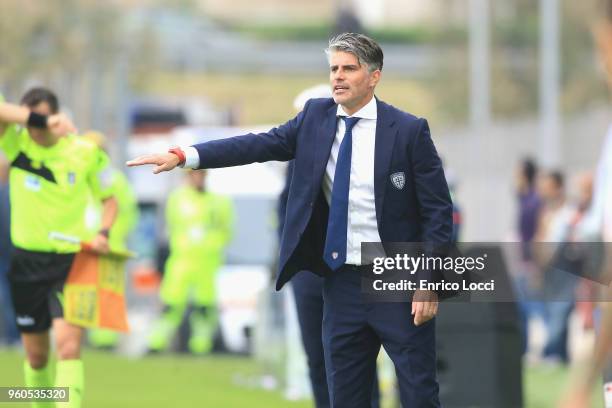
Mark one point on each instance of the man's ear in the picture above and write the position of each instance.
(375, 78)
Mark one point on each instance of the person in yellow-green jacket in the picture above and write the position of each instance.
(52, 175)
(199, 225)
(125, 222)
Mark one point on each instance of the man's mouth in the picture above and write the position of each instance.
(340, 88)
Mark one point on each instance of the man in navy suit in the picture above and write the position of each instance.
(364, 171)
(308, 289)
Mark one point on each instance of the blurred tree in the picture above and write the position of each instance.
(515, 58)
(57, 37)
(74, 47)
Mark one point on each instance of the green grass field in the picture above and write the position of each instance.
(213, 382)
(161, 382)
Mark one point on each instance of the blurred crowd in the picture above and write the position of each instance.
(553, 211)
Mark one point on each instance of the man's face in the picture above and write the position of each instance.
(42, 108)
(352, 84)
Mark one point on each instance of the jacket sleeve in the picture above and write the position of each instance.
(277, 144)
(435, 205)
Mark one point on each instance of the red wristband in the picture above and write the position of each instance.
(180, 153)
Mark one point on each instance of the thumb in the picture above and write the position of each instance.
(164, 166)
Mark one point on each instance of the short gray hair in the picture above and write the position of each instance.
(366, 50)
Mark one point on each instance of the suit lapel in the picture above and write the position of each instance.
(323, 143)
(386, 131)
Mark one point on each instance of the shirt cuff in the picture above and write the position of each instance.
(192, 157)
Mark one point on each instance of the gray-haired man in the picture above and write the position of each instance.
(346, 148)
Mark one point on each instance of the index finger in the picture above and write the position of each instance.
(139, 161)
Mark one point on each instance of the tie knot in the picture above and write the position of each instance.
(350, 122)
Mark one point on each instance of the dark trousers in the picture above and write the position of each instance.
(308, 293)
(354, 330)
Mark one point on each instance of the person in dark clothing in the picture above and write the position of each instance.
(529, 206)
(308, 290)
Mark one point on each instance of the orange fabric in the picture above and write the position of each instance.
(112, 311)
(84, 269)
(94, 293)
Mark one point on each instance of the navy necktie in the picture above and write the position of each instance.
(334, 253)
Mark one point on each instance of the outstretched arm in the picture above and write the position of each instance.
(277, 144)
(57, 124)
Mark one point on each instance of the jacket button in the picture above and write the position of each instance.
(312, 203)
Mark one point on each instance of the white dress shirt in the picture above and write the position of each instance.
(362, 225)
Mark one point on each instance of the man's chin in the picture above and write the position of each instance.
(341, 99)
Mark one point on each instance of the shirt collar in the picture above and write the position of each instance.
(369, 111)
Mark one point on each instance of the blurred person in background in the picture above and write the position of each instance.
(6, 248)
(529, 204)
(199, 225)
(346, 20)
(308, 289)
(125, 222)
(601, 217)
(526, 278)
(52, 176)
(453, 184)
(557, 223)
(586, 290)
(560, 272)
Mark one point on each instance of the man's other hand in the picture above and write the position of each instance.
(99, 244)
(424, 306)
(162, 162)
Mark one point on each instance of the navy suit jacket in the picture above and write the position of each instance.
(421, 211)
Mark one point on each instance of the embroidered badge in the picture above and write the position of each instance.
(398, 179)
